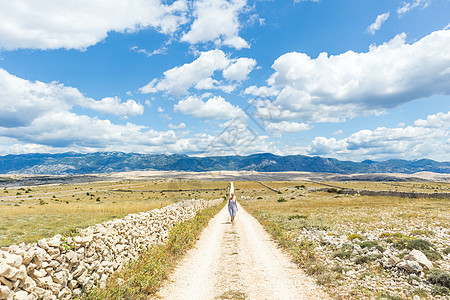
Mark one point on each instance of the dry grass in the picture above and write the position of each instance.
(298, 210)
(31, 213)
(343, 211)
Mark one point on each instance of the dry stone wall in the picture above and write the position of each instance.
(65, 267)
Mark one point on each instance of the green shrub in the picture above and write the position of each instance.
(316, 269)
(362, 259)
(339, 269)
(282, 200)
(343, 254)
(446, 251)
(439, 277)
(432, 255)
(417, 244)
(293, 217)
(371, 244)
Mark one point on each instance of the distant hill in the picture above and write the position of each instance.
(106, 162)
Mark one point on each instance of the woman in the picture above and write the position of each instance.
(232, 207)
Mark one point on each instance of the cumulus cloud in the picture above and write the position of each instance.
(217, 21)
(262, 91)
(114, 106)
(37, 117)
(23, 101)
(198, 74)
(240, 69)
(75, 24)
(285, 126)
(386, 143)
(378, 22)
(407, 6)
(334, 88)
(214, 108)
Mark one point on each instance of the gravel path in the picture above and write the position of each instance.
(238, 261)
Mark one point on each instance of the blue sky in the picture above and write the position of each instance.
(348, 79)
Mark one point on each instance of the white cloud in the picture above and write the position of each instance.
(114, 106)
(334, 88)
(78, 24)
(179, 126)
(160, 109)
(285, 126)
(214, 108)
(217, 21)
(407, 6)
(388, 143)
(23, 101)
(240, 69)
(179, 79)
(439, 120)
(338, 132)
(378, 22)
(66, 129)
(199, 73)
(263, 91)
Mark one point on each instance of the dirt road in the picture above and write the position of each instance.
(237, 261)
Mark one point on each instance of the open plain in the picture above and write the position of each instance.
(353, 246)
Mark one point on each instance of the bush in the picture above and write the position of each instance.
(339, 269)
(282, 200)
(343, 254)
(417, 244)
(362, 259)
(432, 255)
(446, 251)
(439, 277)
(316, 269)
(371, 244)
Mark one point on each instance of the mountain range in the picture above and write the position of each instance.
(107, 162)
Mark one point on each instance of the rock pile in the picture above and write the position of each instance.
(65, 267)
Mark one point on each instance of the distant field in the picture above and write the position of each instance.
(31, 213)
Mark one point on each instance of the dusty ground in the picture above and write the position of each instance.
(238, 261)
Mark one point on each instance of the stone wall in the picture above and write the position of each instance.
(399, 194)
(65, 267)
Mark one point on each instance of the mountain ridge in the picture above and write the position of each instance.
(72, 163)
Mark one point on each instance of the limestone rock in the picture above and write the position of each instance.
(410, 266)
(39, 273)
(5, 292)
(43, 244)
(13, 260)
(29, 285)
(418, 256)
(21, 295)
(55, 241)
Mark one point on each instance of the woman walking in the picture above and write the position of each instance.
(232, 207)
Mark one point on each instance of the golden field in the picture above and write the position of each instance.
(30, 213)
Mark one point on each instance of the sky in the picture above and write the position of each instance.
(349, 79)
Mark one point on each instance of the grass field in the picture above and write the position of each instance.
(31, 213)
